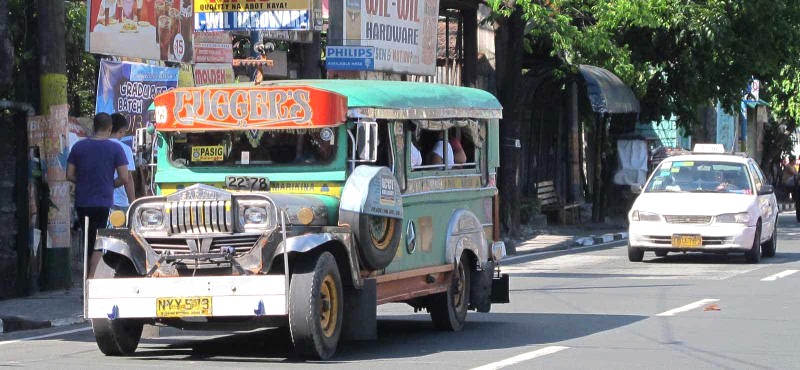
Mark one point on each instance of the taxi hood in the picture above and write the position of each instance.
(708, 204)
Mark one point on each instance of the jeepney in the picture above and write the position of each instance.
(301, 204)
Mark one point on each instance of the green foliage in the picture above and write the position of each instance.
(677, 55)
(81, 66)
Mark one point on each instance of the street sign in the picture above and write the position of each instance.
(350, 58)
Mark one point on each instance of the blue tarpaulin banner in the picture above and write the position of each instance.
(129, 88)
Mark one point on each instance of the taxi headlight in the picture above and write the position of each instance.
(738, 218)
(151, 218)
(644, 216)
(255, 216)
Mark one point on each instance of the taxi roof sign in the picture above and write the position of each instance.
(709, 148)
(221, 108)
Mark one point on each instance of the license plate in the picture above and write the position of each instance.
(247, 183)
(183, 306)
(687, 241)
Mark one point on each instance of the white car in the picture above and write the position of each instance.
(712, 203)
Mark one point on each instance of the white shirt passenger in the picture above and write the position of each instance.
(416, 156)
(437, 149)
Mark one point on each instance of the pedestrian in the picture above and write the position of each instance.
(91, 165)
(123, 195)
(789, 181)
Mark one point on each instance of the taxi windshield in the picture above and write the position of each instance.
(700, 176)
(252, 148)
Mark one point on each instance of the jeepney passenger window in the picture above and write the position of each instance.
(427, 150)
(463, 148)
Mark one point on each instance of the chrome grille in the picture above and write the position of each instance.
(688, 219)
(179, 246)
(200, 216)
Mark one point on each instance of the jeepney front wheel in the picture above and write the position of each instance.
(118, 337)
(315, 306)
(449, 310)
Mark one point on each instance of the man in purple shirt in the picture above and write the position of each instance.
(91, 165)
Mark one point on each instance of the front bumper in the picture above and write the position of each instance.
(254, 295)
(655, 236)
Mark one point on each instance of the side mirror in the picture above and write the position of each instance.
(367, 141)
(636, 189)
(766, 189)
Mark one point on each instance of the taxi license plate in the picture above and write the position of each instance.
(687, 241)
(183, 306)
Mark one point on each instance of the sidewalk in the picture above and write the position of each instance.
(65, 307)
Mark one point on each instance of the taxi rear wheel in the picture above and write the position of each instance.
(635, 254)
(770, 246)
(754, 254)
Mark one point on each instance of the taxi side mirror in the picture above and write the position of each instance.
(766, 189)
(636, 189)
(367, 141)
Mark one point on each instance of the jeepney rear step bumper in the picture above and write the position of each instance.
(261, 295)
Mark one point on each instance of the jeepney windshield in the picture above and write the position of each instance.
(252, 148)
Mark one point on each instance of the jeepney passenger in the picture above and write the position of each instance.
(437, 156)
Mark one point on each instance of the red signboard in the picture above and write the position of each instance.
(248, 108)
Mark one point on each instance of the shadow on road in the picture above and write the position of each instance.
(398, 337)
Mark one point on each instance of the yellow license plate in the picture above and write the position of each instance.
(183, 306)
(687, 241)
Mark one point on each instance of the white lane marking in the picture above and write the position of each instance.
(688, 307)
(56, 334)
(779, 275)
(570, 249)
(523, 357)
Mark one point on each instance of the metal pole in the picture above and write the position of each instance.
(85, 263)
(285, 257)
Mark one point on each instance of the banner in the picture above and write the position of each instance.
(213, 47)
(403, 32)
(228, 15)
(212, 74)
(129, 88)
(149, 29)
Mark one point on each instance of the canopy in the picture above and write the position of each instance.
(607, 93)
(406, 100)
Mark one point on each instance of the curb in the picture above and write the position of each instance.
(15, 323)
(585, 241)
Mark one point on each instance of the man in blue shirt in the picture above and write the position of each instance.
(123, 195)
(91, 166)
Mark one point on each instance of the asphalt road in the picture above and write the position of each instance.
(587, 309)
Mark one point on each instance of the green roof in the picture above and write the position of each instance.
(405, 100)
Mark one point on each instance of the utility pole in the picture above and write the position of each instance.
(53, 92)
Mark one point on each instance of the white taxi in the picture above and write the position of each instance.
(707, 201)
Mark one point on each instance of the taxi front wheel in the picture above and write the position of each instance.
(635, 254)
(754, 254)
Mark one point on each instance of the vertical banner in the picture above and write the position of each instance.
(129, 88)
(403, 33)
(149, 29)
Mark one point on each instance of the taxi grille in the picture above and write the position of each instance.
(688, 219)
(200, 217)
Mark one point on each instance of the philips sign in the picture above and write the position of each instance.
(350, 58)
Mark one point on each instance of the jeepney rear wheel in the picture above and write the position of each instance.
(449, 310)
(381, 237)
(117, 337)
(315, 306)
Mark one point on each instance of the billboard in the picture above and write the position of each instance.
(215, 15)
(149, 29)
(402, 32)
(212, 74)
(129, 88)
(213, 47)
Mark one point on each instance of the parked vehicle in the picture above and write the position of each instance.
(705, 202)
(296, 203)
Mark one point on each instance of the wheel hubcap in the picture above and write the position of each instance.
(459, 287)
(328, 306)
(381, 230)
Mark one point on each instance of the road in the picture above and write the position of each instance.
(590, 309)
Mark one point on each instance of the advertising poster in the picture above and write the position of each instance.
(56, 143)
(253, 15)
(149, 29)
(60, 215)
(403, 33)
(129, 88)
(213, 47)
(212, 74)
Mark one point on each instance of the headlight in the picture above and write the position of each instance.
(255, 215)
(645, 216)
(738, 218)
(151, 218)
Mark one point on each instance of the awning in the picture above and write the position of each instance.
(607, 93)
